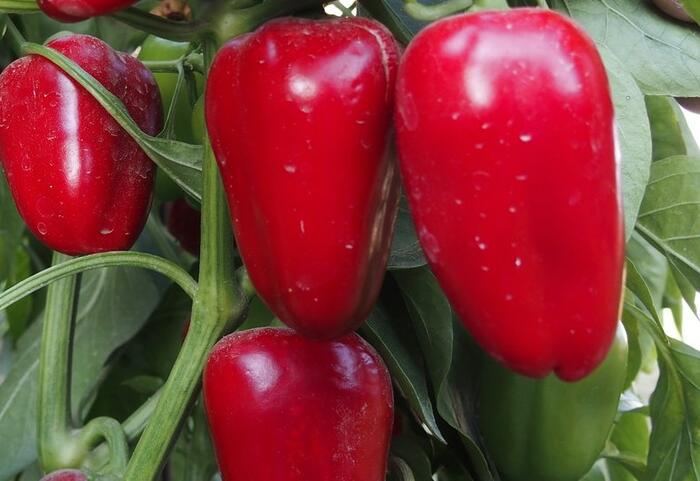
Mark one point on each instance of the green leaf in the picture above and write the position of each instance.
(138, 361)
(406, 252)
(674, 446)
(670, 213)
(456, 401)
(639, 288)
(690, 144)
(634, 135)
(144, 384)
(631, 435)
(651, 264)
(431, 316)
(684, 285)
(386, 334)
(661, 54)
(412, 453)
(193, 455)
(114, 304)
(666, 135)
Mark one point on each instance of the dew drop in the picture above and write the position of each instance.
(518, 262)
(526, 137)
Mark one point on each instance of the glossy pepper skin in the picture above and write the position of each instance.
(505, 132)
(299, 114)
(285, 407)
(80, 182)
(548, 429)
(76, 10)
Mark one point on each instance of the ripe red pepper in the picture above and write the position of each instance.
(505, 133)
(299, 114)
(80, 182)
(77, 10)
(285, 407)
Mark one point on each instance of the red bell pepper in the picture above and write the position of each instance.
(77, 10)
(506, 139)
(80, 182)
(299, 114)
(287, 408)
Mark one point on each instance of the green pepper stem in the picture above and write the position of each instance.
(57, 272)
(133, 426)
(218, 301)
(159, 26)
(54, 426)
(108, 430)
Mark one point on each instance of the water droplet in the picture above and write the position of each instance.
(485, 125)
(518, 262)
(485, 268)
(512, 209)
(526, 137)
(290, 168)
(482, 246)
(459, 201)
(349, 246)
(455, 115)
(521, 177)
(41, 227)
(107, 230)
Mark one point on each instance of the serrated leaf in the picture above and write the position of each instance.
(662, 55)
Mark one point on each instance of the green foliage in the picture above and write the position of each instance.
(130, 323)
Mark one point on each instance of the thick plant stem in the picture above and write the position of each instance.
(54, 424)
(219, 300)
